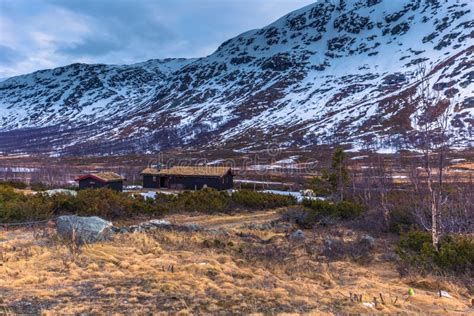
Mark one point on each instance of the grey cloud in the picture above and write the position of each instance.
(121, 26)
(90, 47)
(124, 31)
(8, 55)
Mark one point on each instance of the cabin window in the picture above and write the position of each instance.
(91, 182)
(154, 178)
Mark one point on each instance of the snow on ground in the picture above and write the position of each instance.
(297, 195)
(149, 195)
(18, 169)
(133, 187)
(287, 161)
(60, 191)
(259, 182)
(215, 162)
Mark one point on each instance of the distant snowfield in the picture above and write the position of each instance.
(18, 169)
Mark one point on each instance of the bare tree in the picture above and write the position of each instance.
(431, 126)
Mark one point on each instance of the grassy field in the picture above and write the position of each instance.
(234, 269)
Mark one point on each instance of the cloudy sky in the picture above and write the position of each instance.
(39, 34)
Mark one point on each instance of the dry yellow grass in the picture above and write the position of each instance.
(255, 271)
(463, 166)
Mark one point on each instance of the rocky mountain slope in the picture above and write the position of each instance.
(332, 71)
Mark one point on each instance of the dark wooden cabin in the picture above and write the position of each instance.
(109, 180)
(188, 178)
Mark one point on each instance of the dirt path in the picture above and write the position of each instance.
(225, 221)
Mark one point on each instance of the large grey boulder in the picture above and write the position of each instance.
(84, 230)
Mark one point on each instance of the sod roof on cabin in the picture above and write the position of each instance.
(102, 176)
(205, 171)
(150, 172)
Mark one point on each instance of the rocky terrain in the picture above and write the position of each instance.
(227, 265)
(334, 71)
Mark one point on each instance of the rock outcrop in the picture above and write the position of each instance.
(83, 230)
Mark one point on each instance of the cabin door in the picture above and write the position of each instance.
(164, 182)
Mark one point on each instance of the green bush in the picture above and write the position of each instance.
(212, 201)
(316, 210)
(7, 193)
(206, 201)
(110, 204)
(8, 197)
(348, 210)
(260, 200)
(39, 186)
(321, 185)
(14, 184)
(456, 253)
(401, 221)
(341, 210)
(102, 202)
(18, 207)
(35, 207)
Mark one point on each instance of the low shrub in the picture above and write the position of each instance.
(456, 253)
(7, 193)
(401, 221)
(39, 186)
(35, 207)
(104, 202)
(348, 210)
(260, 200)
(322, 212)
(110, 204)
(8, 197)
(340, 210)
(299, 216)
(14, 184)
(206, 201)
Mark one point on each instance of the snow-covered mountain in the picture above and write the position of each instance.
(342, 70)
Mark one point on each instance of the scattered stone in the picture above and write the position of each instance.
(367, 242)
(194, 227)
(121, 230)
(334, 248)
(218, 232)
(282, 227)
(297, 235)
(327, 221)
(390, 256)
(264, 226)
(295, 215)
(159, 222)
(84, 230)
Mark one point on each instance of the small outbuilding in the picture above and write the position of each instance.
(109, 180)
(188, 178)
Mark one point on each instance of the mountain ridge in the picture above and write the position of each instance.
(329, 72)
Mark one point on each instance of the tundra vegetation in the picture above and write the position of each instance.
(250, 251)
(109, 204)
